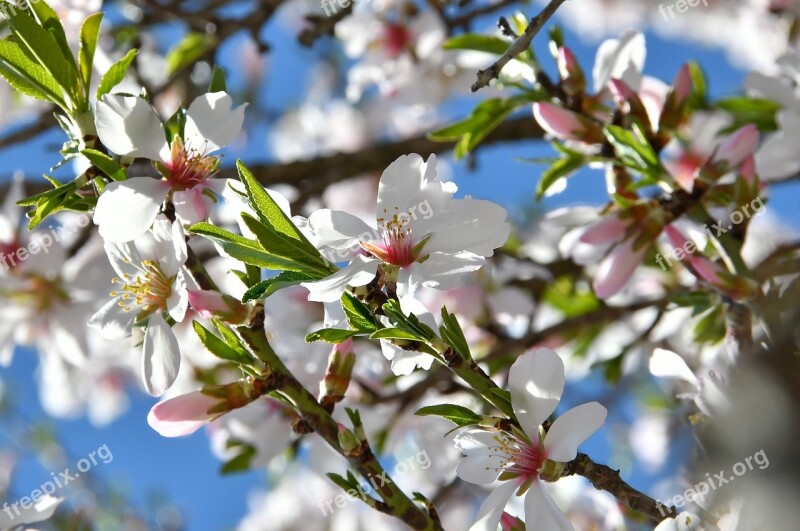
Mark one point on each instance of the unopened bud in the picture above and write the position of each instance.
(565, 124)
(213, 304)
(572, 79)
(348, 440)
(337, 377)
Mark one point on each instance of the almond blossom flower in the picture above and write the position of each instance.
(524, 457)
(130, 127)
(422, 234)
(149, 286)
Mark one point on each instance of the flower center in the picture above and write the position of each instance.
(396, 38)
(519, 458)
(398, 244)
(148, 291)
(189, 167)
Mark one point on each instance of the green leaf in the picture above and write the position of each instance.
(280, 245)
(89, 33)
(486, 116)
(175, 125)
(115, 74)
(478, 42)
(456, 414)
(711, 327)
(243, 249)
(27, 77)
(502, 393)
(218, 80)
(453, 335)
(562, 168)
(358, 315)
(395, 333)
(570, 299)
(188, 50)
(409, 323)
(269, 212)
(745, 110)
(220, 348)
(106, 164)
(330, 335)
(633, 148)
(265, 288)
(48, 19)
(241, 462)
(43, 46)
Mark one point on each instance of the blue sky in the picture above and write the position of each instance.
(184, 469)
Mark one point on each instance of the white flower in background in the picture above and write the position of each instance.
(150, 284)
(708, 392)
(421, 232)
(683, 522)
(37, 512)
(536, 381)
(129, 126)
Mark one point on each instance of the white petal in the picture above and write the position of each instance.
(170, 244)
(38, 512)
(685, 521)
(620, 59)
(178, 300)
(127, 209)
(339, 230)
(481, 463)
(211, 123)
(113, 321)
(360, 272)
(401, 182)
(542, 512)
(444, 271)
(492, 508)
(192, 206)
(667, 364)
(182, 415)
(128, 125)
(162, 356)
(473, 225)
(571, 429)
(536, 381)
(124, 258)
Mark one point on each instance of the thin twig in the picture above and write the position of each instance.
(519, 46)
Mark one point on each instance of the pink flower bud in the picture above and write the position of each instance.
(567, 63)
(748, 168)
(562, 123)
(704, 267)
(682, 86)
(607, 230)
(738, 145)
(182, 415)
(616, 270)
(210, 304)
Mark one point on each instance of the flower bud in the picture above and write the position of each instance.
(628, 101)
(348, 440)
(572, 79)
(511, 523)
(608, 230)
(565, 124)
(213, 304)
(675, 110)
(616, 269)
(738, 146)
(337, 378)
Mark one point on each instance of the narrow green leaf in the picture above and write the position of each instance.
(218, 80)
(218, 347)
(478, 42)
(331, 335)
(562, 168)
(106, 164)
(90, 30)
(280, 245)
(27, 77)
(188, 50)
(358, 315)
(395, 333)
(265, 288)
(115, 74)
(459, 415)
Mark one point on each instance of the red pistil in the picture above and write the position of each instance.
(189, 167)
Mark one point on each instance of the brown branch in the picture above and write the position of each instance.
(520, 45)
(42, 123)
(321, 26)
(606, 478)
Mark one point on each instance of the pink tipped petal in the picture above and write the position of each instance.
(542, 513)
(571, 429)
(559, 122)
(682, 86)
(617, 269)
(492, 508)
(182, 415)
(536, 381)
(605, 231)
(738, 146)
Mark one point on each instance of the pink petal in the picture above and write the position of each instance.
(182, 415)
